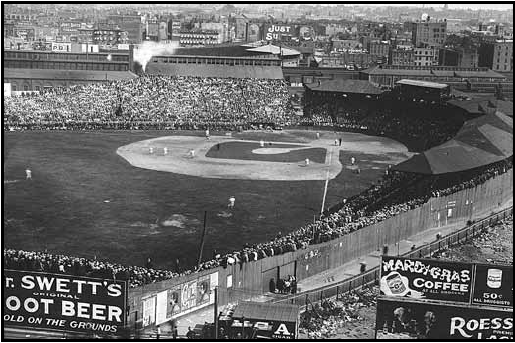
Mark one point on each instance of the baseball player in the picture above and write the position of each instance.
(28, 174)
(307, 162)
(232, 199)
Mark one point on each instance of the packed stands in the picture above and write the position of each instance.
(154, 102)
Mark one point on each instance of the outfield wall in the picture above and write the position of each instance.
(252, 278)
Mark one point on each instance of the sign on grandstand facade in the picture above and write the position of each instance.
(64, 302)
(61, 47)
(402, 319)
(457, 282)
(184, 298)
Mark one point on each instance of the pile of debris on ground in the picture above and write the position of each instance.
(493, 245)
(329, 318)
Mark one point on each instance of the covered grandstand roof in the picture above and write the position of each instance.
(345, 86)
(479, 142)
(222, 71)
(56, 74)
(425, 84)
(483, 104)
(433, 71)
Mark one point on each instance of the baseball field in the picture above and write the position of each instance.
(119, 196)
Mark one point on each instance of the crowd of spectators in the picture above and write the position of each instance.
(420, 126)
(153, 102)
(395, 193)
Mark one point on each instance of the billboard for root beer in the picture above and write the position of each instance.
(403, 319)
(426, 279)
(64, 302)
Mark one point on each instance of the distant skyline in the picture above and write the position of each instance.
(471, 5)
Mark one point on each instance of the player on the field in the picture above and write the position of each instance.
(207, 133)
(307, 161)
(352, 160)
(151, 150)
(28, 174)
(165, 150)
(232, 199)
(192, 153)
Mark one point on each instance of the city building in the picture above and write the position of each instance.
(497, 55)
(402, 57)
(345, 44)
(110, 37)
(425, 57)
(130, 23)
(240, 28)
(221, 28)
(380, 48)
(458, 57)
(198, 38)
(429, 33)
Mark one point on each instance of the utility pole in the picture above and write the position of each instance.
(216, 312)
(202, 240)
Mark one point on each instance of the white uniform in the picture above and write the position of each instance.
(207, 133)
(192, 153)
(318, 135)
(307, 161)
(28, 174)
(352, 160)
(165, 150)
(231, 202)
(335, 142)
(151, 150)
(261, 143)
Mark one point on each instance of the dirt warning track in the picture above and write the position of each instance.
(174, 154)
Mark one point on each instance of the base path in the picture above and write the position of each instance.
(178, 158)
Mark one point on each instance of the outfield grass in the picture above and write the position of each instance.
(85, 200)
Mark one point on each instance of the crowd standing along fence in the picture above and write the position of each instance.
(155, 303)
(371, 276)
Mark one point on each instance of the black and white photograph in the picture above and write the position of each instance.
(257, 171)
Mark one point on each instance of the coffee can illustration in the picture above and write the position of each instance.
(494, 278)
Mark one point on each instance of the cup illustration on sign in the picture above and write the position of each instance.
(494, 278)
(395, 284)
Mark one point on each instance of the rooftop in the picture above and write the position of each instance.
(425, 84)
(345, 86)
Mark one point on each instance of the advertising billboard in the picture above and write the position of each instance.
(493, 285)
(425, 279)
(182, 299)
(64, 302)
(403, 319)
(61, 47)
(276, 32)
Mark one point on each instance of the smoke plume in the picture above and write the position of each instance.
(145, 51)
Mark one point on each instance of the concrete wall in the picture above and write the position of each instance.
(252, 278)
